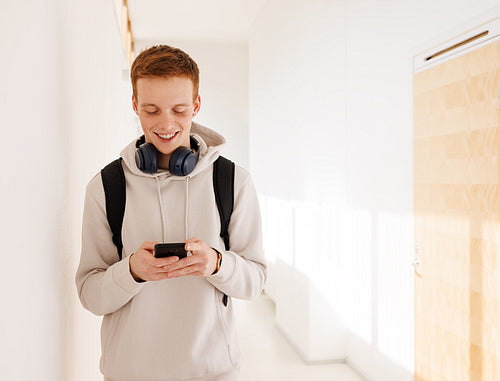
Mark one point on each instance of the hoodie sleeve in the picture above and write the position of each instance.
(103, 282)
(243, 271)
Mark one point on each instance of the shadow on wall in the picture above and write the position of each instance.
(344, 275)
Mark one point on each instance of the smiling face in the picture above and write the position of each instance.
(166, 108)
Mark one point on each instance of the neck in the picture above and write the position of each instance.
(163, 160)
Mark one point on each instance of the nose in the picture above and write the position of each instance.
(165, 121)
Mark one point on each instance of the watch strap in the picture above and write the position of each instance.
(219, 261)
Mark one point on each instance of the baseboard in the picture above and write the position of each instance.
(304, 357)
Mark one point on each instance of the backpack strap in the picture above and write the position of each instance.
(113, 180)
(223, 179)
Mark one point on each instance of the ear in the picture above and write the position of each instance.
(197, 106)
(134, 105)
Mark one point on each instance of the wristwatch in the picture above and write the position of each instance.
(219, 261)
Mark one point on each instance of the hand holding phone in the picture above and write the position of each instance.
(163, 250)
(145, 267)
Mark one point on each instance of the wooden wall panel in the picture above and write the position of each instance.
(457, 218)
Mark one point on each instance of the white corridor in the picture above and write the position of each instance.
(267, 356)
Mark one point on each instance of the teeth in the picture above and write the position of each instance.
(168, 136)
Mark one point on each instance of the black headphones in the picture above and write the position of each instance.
(182, 161)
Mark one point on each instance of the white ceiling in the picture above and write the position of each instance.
(214, 20)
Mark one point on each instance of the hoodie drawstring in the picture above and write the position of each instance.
(163, 225)
(162, 212)
(186, 214)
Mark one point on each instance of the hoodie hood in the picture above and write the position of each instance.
(211, 145)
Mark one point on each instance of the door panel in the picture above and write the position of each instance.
(457, 218)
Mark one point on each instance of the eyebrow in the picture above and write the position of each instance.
(154, 105)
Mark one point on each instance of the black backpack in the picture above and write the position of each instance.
(113, 180)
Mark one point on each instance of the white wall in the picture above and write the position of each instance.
(98, 115)
(31, 194)
(223, 89)
(66, 112)
(331, 109)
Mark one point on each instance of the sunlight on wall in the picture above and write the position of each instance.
(351, 263)
(393, 268)
(278, 231)
(313, 239)
(320, 243)
(362, 273)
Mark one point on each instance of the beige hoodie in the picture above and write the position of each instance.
(175, 329)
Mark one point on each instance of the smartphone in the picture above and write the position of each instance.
(163, 250)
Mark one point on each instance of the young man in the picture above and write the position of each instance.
(170, 318)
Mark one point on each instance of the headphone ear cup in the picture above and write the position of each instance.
(146, 158)
(182, 161)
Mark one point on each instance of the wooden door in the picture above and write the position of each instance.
(457, 218)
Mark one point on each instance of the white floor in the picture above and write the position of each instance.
(267, 356)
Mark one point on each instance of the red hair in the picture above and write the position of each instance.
(164, 61)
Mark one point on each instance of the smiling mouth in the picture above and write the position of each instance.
(167, 136)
